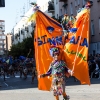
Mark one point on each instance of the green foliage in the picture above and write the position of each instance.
(23, 48)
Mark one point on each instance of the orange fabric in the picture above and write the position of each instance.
(56, 97)
(76, 50)
(42, 55)
(74, 54)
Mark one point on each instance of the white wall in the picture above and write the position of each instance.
(21, 25)
(44, 6)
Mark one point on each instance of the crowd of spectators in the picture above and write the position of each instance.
(94, 65)
(21, 66)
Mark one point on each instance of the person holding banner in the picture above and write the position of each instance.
(58, 70)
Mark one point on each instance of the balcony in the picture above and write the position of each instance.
(19, 33)
(2, 44)
(2, 23)
(2, 37)
(2, 28)
(51, 6)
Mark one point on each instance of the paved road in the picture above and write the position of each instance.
(16, 83)
(20, 89)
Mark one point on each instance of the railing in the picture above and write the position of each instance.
(62, 0)
(2, 23)
(3, 37)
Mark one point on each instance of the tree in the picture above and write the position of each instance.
(23, 48)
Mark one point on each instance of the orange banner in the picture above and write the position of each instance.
(48, 32)
(76, 50)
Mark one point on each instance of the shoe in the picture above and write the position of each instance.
(66, 98)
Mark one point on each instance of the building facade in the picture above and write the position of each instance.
(71, 7)
(2, 37)
(8, 41)
(23, 28)
(58, 8)
(44, 6)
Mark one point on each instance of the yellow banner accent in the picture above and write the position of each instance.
(76, 49)
(32, 17)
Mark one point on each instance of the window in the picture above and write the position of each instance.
(99, 25)
(61, 11)
(0, 27)
(75, 3)
(83, 2)
(2, 3)
(71, 8)
(92, 28)
(2, 23)
(65, 10)
(94, 52)
(78, 2)
(3, 37)
(57, 16)
(0, 46)
(56, 1)
(1, 42)
(98, 46)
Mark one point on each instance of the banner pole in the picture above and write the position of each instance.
(78, 45)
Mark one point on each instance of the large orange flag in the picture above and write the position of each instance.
(48, 32)
(76, 50)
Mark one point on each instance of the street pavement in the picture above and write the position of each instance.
(16, 88)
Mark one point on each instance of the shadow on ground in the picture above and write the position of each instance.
(21, 83)
(72, 81)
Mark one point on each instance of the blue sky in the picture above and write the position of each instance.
(12, 11)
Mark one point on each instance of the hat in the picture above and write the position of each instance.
(54, 50)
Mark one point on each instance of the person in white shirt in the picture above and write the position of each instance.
(97, 70)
